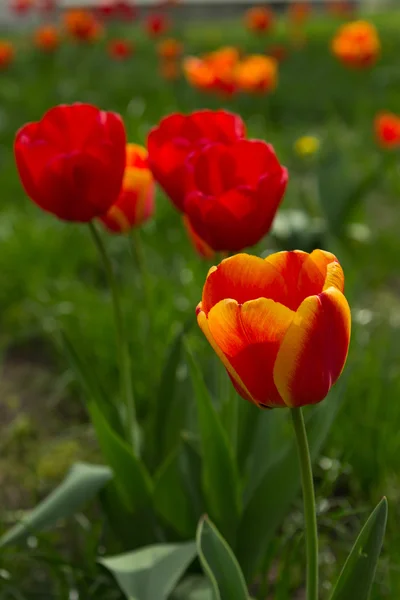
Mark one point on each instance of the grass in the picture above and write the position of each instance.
(50, 278)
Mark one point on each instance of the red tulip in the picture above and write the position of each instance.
(47, 6)
(71, 162)
(135, 203)
(120, 49)
(233, 193)
(178, 136)
(125, 10)
(21, 7)
(6, 54)
(281, 326)
(157, 25)
(387, 130)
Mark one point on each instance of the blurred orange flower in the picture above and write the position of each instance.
(135, 203)
(47, 38)
(214, 71)
(6, 54)
(299, 12)
(357, 44)
(169, 49)
(82, 25)
(257, 74)
(387, 130)
(259, 19)
(169, 70)
(120, 49)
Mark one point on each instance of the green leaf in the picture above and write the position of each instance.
(219, 563)
(172, 501)
(194, 588)
(219, 474)
(270, 501)
(131, 476)
(81, 484)
(356, 578)
(151, 573)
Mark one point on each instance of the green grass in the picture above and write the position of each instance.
(50, 278)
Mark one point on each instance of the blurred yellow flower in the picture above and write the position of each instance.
(308, 145)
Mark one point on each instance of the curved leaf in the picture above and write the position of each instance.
(81, 485)
(219, 563)
(358, 573)
(151, 573)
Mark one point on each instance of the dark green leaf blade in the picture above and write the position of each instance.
(220, 476)
(81, 484)
(356, 578)
(219, 563)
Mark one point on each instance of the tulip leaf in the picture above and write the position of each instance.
(194, 588)
(219, 563)
(150, 573)
(172, 501)
(169, 415)
(81, 484)
(219, 474)
(131, 476)
(270, 500)
(356, 578)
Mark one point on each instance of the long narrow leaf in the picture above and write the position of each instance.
(358, 573)
(220, 476)
(82, 483)
(219, 563)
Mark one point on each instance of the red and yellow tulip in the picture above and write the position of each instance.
(281, 326)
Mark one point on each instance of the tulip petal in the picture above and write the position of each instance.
(243, 277)
(249, 336)
(314, 349)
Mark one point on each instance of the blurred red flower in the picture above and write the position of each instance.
(21, 7)
(233, 192)
(71, 162)
(47, 6)
(47, 38)
(157, 25)
(177, 137)
(6, 54)
(259, 19)
(387, 130)
(120, 49)
(135, 203)
(125, 10)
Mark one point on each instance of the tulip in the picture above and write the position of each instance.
(259, 19)
(357, 44)
(6, 54)
(281, 326)
(71, 162)
(257, 74)
(82, 25)
(387, 130)
(202, 249)
(233, 192)
(156, 25)
(135, 203)
(169, 49)
(47, 38)
(178, 136)
(120, 49)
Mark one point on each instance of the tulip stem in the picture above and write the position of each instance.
(122, 344)
(310, 515)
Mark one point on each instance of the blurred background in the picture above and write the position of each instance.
(320, 114)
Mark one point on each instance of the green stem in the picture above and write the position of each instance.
(122, 344)
(310, 516)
